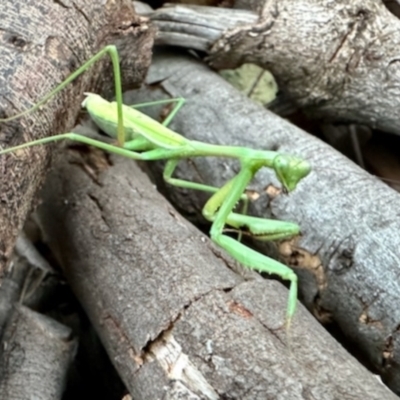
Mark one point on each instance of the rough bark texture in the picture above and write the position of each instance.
(11, 288)
(36, 354)
(338, 60)
(176, 321)
(347, 255)
(40, 45)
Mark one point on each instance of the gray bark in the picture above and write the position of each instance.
(10, 290)
(175, 319)
(40, 45)
(346, 257)
(336, 60)
(36, 353)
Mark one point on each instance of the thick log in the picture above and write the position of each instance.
(36, 354)
(336, 60)
(176, 321)
(347, 256)
(40, 45)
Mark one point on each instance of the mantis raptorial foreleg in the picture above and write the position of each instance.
(142, 138)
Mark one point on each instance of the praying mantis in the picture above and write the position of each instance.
(140, 137)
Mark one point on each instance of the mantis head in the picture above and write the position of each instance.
(290, 170)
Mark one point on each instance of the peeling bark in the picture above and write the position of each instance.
(40, 45)
(336, 60)
(173, 316)
(346, 257)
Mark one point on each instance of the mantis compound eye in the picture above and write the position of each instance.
(290, 170)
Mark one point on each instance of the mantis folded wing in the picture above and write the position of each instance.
(142, 138)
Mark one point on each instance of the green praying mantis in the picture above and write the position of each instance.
(140, 137)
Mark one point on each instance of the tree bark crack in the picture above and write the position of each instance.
(81, 12)
(61, 4)
(113, 325)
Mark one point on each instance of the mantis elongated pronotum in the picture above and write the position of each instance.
(141, 138)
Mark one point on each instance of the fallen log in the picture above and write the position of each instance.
(337, 60)
(347, 256)
(173, 316)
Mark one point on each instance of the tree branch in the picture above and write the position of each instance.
(337, 60)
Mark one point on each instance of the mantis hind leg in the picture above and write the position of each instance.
(180, 101)
(148, 155)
